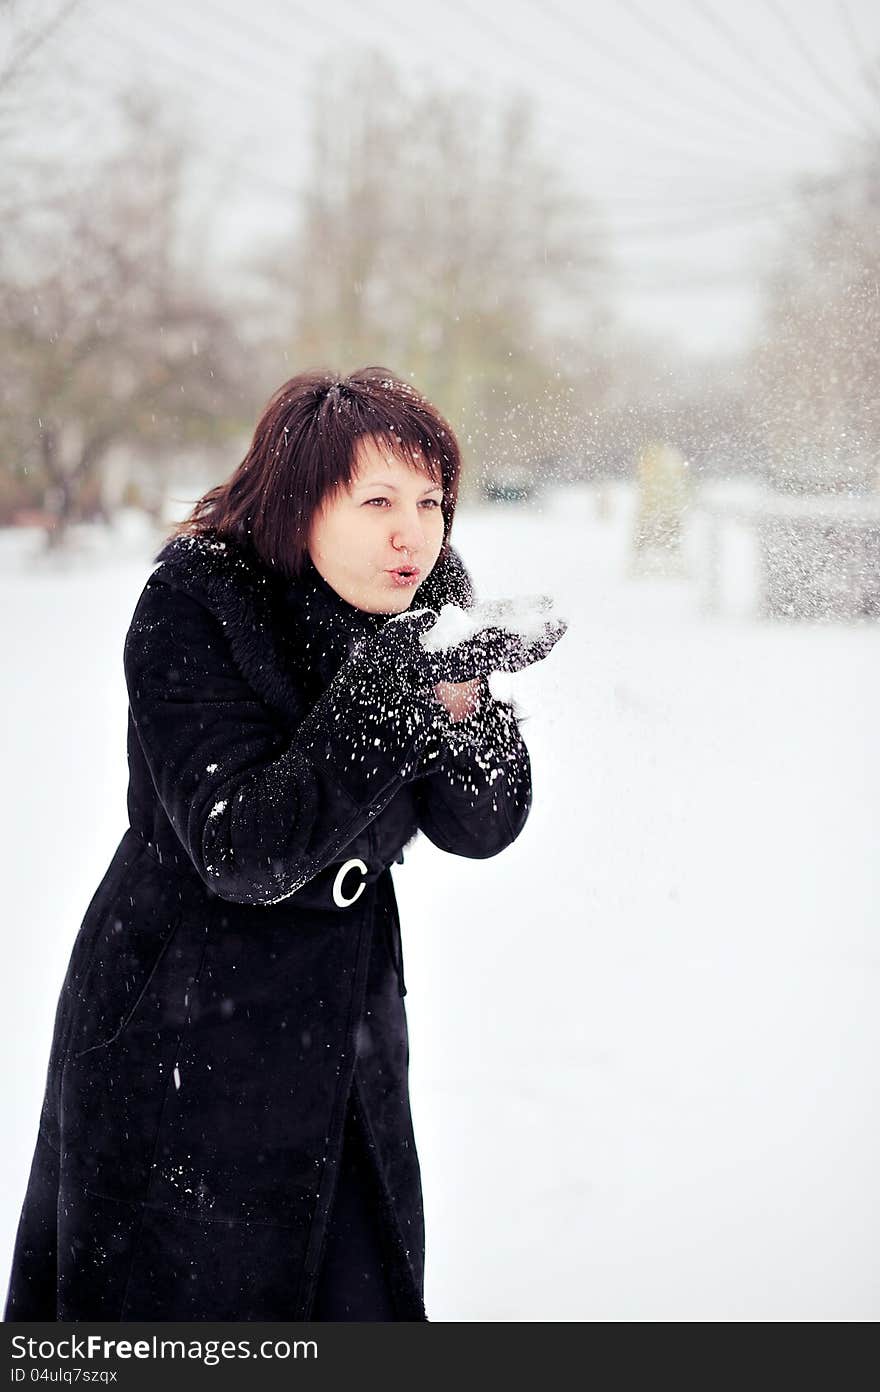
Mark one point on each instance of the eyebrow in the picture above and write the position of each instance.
(386, 483)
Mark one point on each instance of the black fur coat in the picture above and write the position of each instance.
(236, 987)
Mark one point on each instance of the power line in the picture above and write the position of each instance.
(232, 76)
(723, 219)
(211, 41)
(625, 62)
(650, 24)
(234, 134)
(871, 80)
(625, 274)
(33, 41)
(814, 187)
(268, 43)
(663, 280)
(565, 131)
(629, 112)
(769, 74)
(259, 34)
(827, 83)
(718, 213)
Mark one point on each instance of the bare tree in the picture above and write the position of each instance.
(106, 343)
(435, 238)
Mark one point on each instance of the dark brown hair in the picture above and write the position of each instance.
(304, 447)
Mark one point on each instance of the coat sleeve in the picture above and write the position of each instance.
(258, 810)
(477, 800)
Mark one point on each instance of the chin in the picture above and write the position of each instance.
(394, 603)
(398, 604)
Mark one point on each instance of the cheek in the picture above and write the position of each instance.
(435, 539)
(333, 531)
(319, 548)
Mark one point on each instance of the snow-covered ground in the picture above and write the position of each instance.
(645, 1037)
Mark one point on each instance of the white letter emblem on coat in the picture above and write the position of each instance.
(338, 897)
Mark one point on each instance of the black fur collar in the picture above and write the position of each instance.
(288, 638)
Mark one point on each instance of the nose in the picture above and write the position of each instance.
(408, 535)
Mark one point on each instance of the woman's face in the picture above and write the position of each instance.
(388, 517)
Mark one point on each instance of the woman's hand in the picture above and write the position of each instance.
(493, 648)
(459, 698)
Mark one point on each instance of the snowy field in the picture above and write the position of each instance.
(645, 1037)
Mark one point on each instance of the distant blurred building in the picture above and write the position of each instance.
(820, 556)
(663, 489)
(511, 485)
(817, 554)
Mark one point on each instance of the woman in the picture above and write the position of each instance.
(226, 1129)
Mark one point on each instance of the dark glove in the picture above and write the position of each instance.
(379, 721)
(375, 723)
(495, 648)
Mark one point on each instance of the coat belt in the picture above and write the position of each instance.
(347, 889)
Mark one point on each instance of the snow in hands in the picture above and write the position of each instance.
(504, 635)
(527, 616)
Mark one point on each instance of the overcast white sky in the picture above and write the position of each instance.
(686, 123)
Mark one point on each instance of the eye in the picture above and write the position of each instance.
(426, 502)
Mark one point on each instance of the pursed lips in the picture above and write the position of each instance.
(405, 575)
